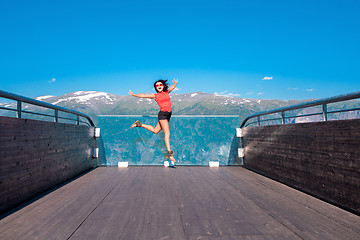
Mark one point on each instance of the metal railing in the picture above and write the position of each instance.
(321, 102)
(19, 110)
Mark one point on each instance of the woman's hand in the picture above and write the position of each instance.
(142, 95)
(175, 81)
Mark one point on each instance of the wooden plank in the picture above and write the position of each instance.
(213, 209)
(180, 203)
(59, 213)
(142, 207)
(306, 216)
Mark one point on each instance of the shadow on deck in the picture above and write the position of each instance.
(181, 203)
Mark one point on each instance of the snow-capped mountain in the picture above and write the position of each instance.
(198, 103)
(81, 97)
(44, 97)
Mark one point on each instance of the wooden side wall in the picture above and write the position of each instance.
(322, 158)
(35, 156)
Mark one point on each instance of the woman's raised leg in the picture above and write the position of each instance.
(155, 129)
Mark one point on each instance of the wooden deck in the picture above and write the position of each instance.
(181, 203)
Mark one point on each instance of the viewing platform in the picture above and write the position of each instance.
(177, 203)
(279, 177)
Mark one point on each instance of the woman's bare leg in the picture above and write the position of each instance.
(165, 127)
(155, 130)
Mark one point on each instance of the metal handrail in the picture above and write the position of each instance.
(20, 99)
(313, 103)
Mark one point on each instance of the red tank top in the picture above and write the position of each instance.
(163, 100)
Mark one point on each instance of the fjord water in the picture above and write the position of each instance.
(194, 140)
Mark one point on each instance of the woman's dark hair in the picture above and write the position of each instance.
(166, 86)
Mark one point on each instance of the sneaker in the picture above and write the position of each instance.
(170, 155)
(136, 124)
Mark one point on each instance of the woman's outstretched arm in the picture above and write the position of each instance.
(142, 95)
(174, 85)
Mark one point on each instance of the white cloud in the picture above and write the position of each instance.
(260, 93)
(52, 80)
(249, 93)
(309, 90)
(290, 88)
(267, 78)
(176, 89)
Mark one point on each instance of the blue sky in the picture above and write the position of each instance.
(252, 49)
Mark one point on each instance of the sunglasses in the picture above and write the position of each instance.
(159, 84)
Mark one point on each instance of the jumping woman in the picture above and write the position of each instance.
(163, 100)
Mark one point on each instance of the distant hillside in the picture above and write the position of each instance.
(198, 103)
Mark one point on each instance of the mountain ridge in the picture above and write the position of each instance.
(94, 103)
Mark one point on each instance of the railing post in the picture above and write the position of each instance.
(283, 117)
(56, 115)
(19, 109)
(324, 111)
(77, 119)
(258, 120)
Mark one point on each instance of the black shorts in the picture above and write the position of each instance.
(164, 115)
